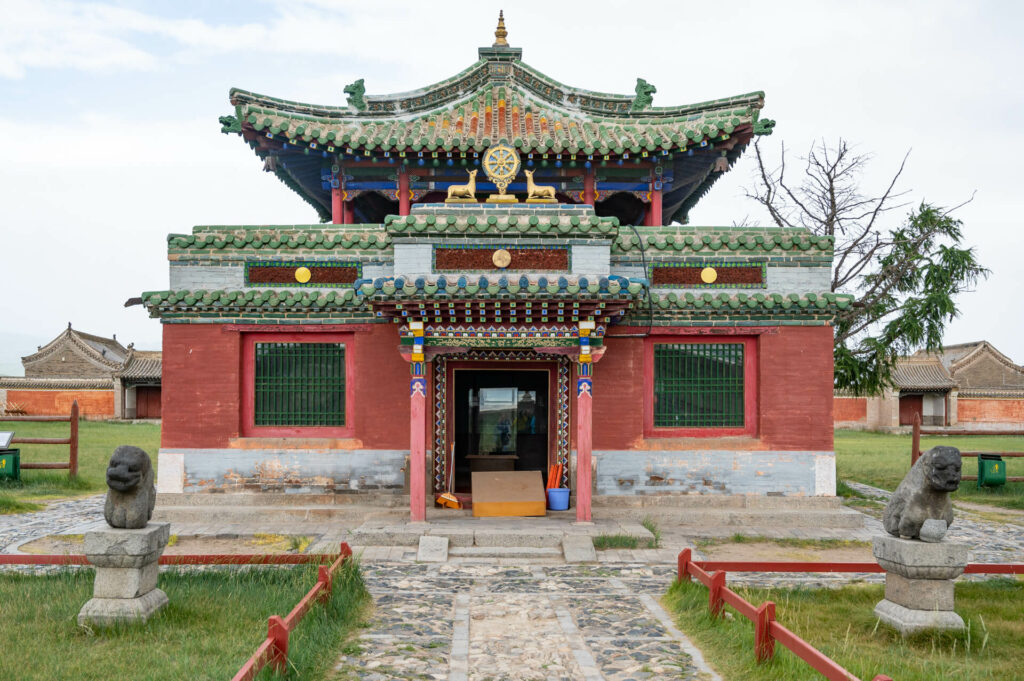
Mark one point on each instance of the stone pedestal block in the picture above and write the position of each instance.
(126, 573)
(919, 583)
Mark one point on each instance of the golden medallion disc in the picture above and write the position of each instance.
(501, 258)
(303, 275)
(708, 275)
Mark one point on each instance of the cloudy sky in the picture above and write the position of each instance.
(112, 142)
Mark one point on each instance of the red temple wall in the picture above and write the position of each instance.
(794, 405)
(851, 409)
(202, 386)
(982, 410)
(91, 403)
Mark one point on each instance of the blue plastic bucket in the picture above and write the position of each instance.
(558, 498)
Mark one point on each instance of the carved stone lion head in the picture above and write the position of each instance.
(128, 467)
(944, 472)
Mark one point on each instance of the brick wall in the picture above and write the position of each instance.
(982, 410)
(794, 395)
(202, 386)
(91, 403)
(796, 388)
(850, 409)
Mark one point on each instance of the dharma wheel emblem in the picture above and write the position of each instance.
(501, 163)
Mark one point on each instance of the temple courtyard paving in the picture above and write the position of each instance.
(510, 617)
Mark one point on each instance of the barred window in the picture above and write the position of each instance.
(698, 385)
(299, 384)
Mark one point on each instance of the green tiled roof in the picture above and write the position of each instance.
(277, 238)
(477, 108)
(251, 299)
(762, 302)
(563, 226)
(712, 239)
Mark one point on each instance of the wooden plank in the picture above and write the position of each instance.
(508, 493)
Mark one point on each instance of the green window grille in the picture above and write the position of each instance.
(300, 384)
(698, 385)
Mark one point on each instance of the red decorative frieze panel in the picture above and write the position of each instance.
(464, 259)
(302, 274)
(708, 275)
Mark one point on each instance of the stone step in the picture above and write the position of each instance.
(524, 552)
(714, 501)
(628, 518)
(752, 520)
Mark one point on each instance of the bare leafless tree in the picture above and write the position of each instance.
(886, 264)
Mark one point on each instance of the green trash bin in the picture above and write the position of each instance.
(10, 464)
(991, 470)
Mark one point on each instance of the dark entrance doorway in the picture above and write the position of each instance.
(500, 422)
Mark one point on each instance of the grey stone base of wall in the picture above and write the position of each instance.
(383, 471)
(295, 471)
(715, 472)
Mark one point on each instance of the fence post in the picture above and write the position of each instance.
(915, 443)
(278, 633)
(324, 578)
(715, 601)
(345, 550)
(684, 566)
(73, 453)
(764, 644)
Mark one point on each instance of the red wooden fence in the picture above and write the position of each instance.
(273, 651)
(915, 445)
(767, 630)
(71, 440)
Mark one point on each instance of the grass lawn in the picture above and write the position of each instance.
(841, 624)
(882, 459)
(96, 442)
(213, 623)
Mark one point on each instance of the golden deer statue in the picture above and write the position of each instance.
(544, 193)
(463, 192)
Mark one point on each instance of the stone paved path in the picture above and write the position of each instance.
(58, 517)
(477, 622)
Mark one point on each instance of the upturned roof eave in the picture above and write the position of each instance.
(241, 97)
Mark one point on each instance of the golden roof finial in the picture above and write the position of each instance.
(500, 32)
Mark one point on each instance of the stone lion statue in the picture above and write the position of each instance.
(924, 493)
(131, 496)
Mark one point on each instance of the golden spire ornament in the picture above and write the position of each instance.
(500, 33)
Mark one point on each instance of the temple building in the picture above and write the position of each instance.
(107, 379)
(504, 278)
(969, 386)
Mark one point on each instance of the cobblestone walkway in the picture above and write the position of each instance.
(58, 517)
(551, 622)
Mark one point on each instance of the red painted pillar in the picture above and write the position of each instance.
(337, 206)
(403, 191)
(347, 217)
(589, 186)
(584, 424)
(654, 209)
(417, 429)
